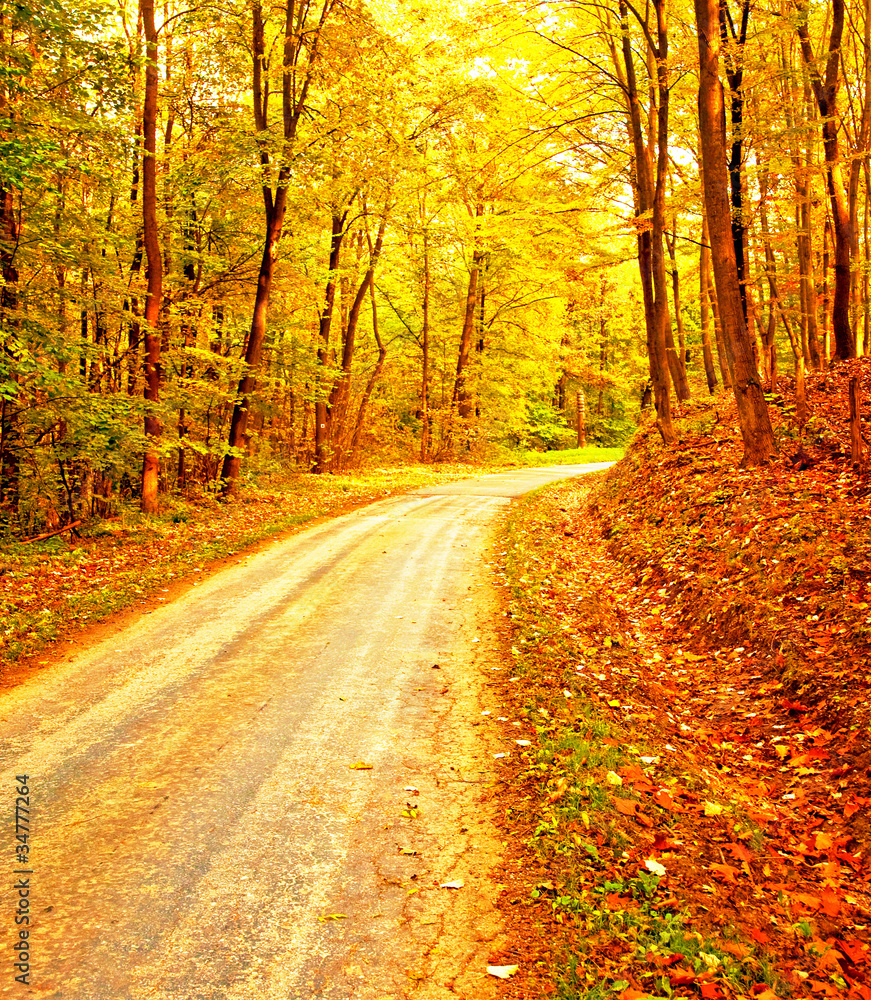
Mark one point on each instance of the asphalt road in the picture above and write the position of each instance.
(202, 822)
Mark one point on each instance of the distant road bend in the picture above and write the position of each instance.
(260, 790)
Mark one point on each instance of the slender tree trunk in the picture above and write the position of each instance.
(704, 309)
(676, 363)
(769, 345)
(370, 385)
(322, 405)
(657, 350)
(675, 297)
(299, 55)
(424, 378)
(734, 65)
(462, 398)
(866, 291)
(341, 392)
(756, 428)
(856, 168)
(826, 92)
(154, 265)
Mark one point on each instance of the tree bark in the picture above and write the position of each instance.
(462, 399)
(424, 376)
(322, 413)
(705, 313)
(341, 392)
(299, 56)
(826, 93)
(370, 385)
(153, 266)
(753, 416)
(654, 303)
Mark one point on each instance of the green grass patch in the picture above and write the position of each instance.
(571, 456)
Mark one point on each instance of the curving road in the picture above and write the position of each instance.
(259, 791)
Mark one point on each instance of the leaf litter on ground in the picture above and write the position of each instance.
(731, 699)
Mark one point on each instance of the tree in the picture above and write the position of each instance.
(756, 429)
(299, 53)
(825, 91)
(154, 266)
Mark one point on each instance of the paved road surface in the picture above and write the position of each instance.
(198, 830)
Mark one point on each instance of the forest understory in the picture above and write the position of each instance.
(690, 814)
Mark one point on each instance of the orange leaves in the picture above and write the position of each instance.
(626, 807)
(725, 872)
(823, 841)
(740, 852)
(663, 798)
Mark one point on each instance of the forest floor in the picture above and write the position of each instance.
(691, 644)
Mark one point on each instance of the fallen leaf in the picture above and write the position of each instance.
(811, 902)
(626, 806)
(502, 971)
(654, 866)
(725, 872)
(831, 903)
(456, 884)
(740, 852)
(713, 809)
(360, 765)
(664, 799)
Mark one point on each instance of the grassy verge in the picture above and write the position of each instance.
(571, 456)
(53, 588)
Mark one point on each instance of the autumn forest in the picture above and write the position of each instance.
(307, 235)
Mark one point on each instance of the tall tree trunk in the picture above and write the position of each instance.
(657, 350)
(826, 93)
(462, 398)
(734, 66)
(675, 294)
(753, 416)
(299, 56)
(769, 345)
(153, 267)
(322, 403)
(856, 169)
(341, 392)
(704, 309)
(370, 385)
(424, 375)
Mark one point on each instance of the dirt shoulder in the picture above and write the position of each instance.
(692, 805)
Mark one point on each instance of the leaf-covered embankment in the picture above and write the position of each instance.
(692, 805)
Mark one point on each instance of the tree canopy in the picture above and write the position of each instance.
(320, 233)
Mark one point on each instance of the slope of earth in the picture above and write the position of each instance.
(690, 787)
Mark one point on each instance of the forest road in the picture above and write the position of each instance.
(259, 791)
